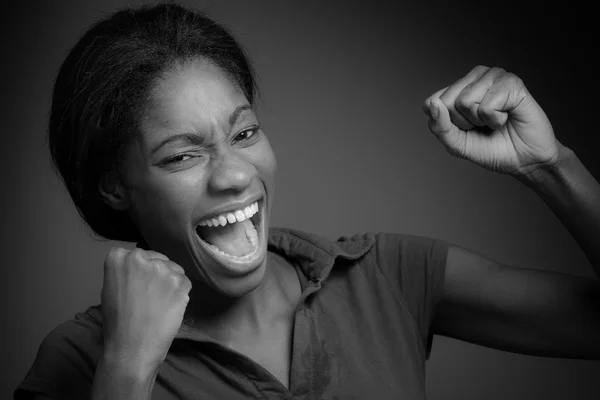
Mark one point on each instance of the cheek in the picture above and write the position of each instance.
(264, 160)
(167, 200)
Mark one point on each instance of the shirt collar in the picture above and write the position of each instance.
(315, 254)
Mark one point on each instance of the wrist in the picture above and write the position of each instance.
(135, 368)
(550, 172)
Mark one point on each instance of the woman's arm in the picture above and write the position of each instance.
(144, 297)
(530, 311)
(520, 310)
(574, 196)
(490, 118)
(524, 310)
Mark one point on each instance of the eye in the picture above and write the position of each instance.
(247, 135)
(178, 159)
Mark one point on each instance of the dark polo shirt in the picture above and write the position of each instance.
(361, 330)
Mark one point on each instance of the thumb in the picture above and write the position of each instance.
(441, 125)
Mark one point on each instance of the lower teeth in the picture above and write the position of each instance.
(245, 256)
(252, 238)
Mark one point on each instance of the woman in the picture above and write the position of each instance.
(153, 131)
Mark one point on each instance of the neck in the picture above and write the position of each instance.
(225, 318)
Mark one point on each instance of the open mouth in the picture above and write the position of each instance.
(235, 235)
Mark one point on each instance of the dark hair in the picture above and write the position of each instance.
(103, 87)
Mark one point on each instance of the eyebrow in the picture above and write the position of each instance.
(195, 139)
(237, 112)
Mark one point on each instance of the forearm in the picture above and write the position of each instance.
(114, 380)
(574, 196)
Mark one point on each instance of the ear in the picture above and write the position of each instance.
(113, 192)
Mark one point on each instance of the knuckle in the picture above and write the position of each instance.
(485, 110)
(176, 267)
(155, 254)
(137, 254)
(117, 251)
(444, 98)
(115, 256)
(463, 102)
(157, 266)
(174, 279)
(513, 79)
(480, 69)
(497, 71)
(437, 94)
(185, 285)
(180, 282)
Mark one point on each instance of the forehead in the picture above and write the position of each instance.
(194, 96)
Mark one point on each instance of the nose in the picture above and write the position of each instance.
(231, 171)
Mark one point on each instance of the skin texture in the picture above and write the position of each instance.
(167, 197)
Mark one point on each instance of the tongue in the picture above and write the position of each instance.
(232, 238)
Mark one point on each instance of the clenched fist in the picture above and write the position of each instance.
(489, 117)
(144, 298)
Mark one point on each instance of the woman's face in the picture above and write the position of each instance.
(200, 179)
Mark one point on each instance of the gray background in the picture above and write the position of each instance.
(342, 89)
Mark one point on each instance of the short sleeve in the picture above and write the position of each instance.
(414, 266)
(65, 363)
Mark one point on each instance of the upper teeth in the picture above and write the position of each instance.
(232, 217)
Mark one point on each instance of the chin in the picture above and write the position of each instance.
(239, 287)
